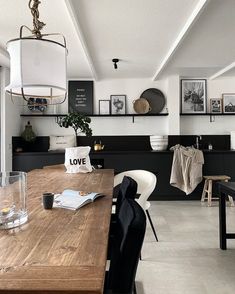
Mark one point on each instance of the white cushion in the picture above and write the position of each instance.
(61, 142)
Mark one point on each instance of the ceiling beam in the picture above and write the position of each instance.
(77, 26)
(222, 71)
(189, 23)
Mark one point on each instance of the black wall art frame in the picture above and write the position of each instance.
(228, 102)
(80, 97)
(118, 104)
(216, 105)
(193, 94)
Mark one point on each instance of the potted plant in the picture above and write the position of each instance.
(79, 122)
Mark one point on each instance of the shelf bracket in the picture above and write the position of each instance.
(58, 119)
(212, 118)
(133, 119)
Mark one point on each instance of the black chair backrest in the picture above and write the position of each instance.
(128, 240)
(127, 189)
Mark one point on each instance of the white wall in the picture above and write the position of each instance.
(10, 122)
(112, 126)
(173, 103)
(201, 124)
(173, 124)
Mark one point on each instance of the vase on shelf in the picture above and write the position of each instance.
(28, 134)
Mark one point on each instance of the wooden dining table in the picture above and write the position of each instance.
(59, 250)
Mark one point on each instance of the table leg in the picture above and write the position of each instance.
(222, 221)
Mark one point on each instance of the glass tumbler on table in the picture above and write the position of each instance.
(13, 212)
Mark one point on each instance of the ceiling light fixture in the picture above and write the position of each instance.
(37, 64)
(115, 61)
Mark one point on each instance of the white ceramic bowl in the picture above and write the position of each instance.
(158, 146)
(159, 143)
(159, 137)
(158, 140)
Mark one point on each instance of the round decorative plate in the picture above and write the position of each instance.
(37, 104)
(141, 106)
(155, 98)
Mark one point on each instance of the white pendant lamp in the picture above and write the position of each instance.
(37, 65)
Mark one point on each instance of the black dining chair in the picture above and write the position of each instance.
(128, 240)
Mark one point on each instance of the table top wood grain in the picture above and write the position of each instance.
(59, 251)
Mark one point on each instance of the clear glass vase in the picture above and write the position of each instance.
(13, 212)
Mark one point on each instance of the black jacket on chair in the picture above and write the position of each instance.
(127, 189)
(128, 240)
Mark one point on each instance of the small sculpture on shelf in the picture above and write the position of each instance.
(28, 134)
(98, 146)
(37, 105)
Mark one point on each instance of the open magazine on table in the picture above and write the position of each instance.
(71, 199)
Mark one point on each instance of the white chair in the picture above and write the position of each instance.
(146, 184)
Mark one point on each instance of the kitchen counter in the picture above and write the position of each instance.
(158, 162)
(116, 152)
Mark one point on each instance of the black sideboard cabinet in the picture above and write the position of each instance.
(140, 157)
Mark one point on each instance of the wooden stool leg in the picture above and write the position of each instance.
(230, 198)
(209, 192)
(204, 191)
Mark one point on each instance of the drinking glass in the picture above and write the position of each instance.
(13, 212)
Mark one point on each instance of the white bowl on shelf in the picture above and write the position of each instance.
(159, 142)
(159, 147)
(159, 136)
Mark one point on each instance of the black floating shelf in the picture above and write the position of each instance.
(133, 115)
(183, 114)
(97, 115)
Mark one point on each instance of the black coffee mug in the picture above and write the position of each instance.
(47, 200)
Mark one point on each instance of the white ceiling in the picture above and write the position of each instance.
(210, 44)
(138, 32)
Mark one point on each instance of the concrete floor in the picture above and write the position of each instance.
(187, 258)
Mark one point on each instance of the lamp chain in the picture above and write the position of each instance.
(37, 24)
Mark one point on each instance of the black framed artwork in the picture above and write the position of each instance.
(118, 104)
(228, 102)
(215, 105)
(193, 96)
(80, 97)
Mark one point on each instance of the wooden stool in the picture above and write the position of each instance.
(208, 188)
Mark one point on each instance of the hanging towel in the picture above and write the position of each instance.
(186, 170)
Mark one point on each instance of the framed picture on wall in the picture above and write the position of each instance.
(104, 107)
(118, 104)
(80, 97)
(193, 96)
(228, 102)
(216, 105)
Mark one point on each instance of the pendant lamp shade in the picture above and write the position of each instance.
(37, 69)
